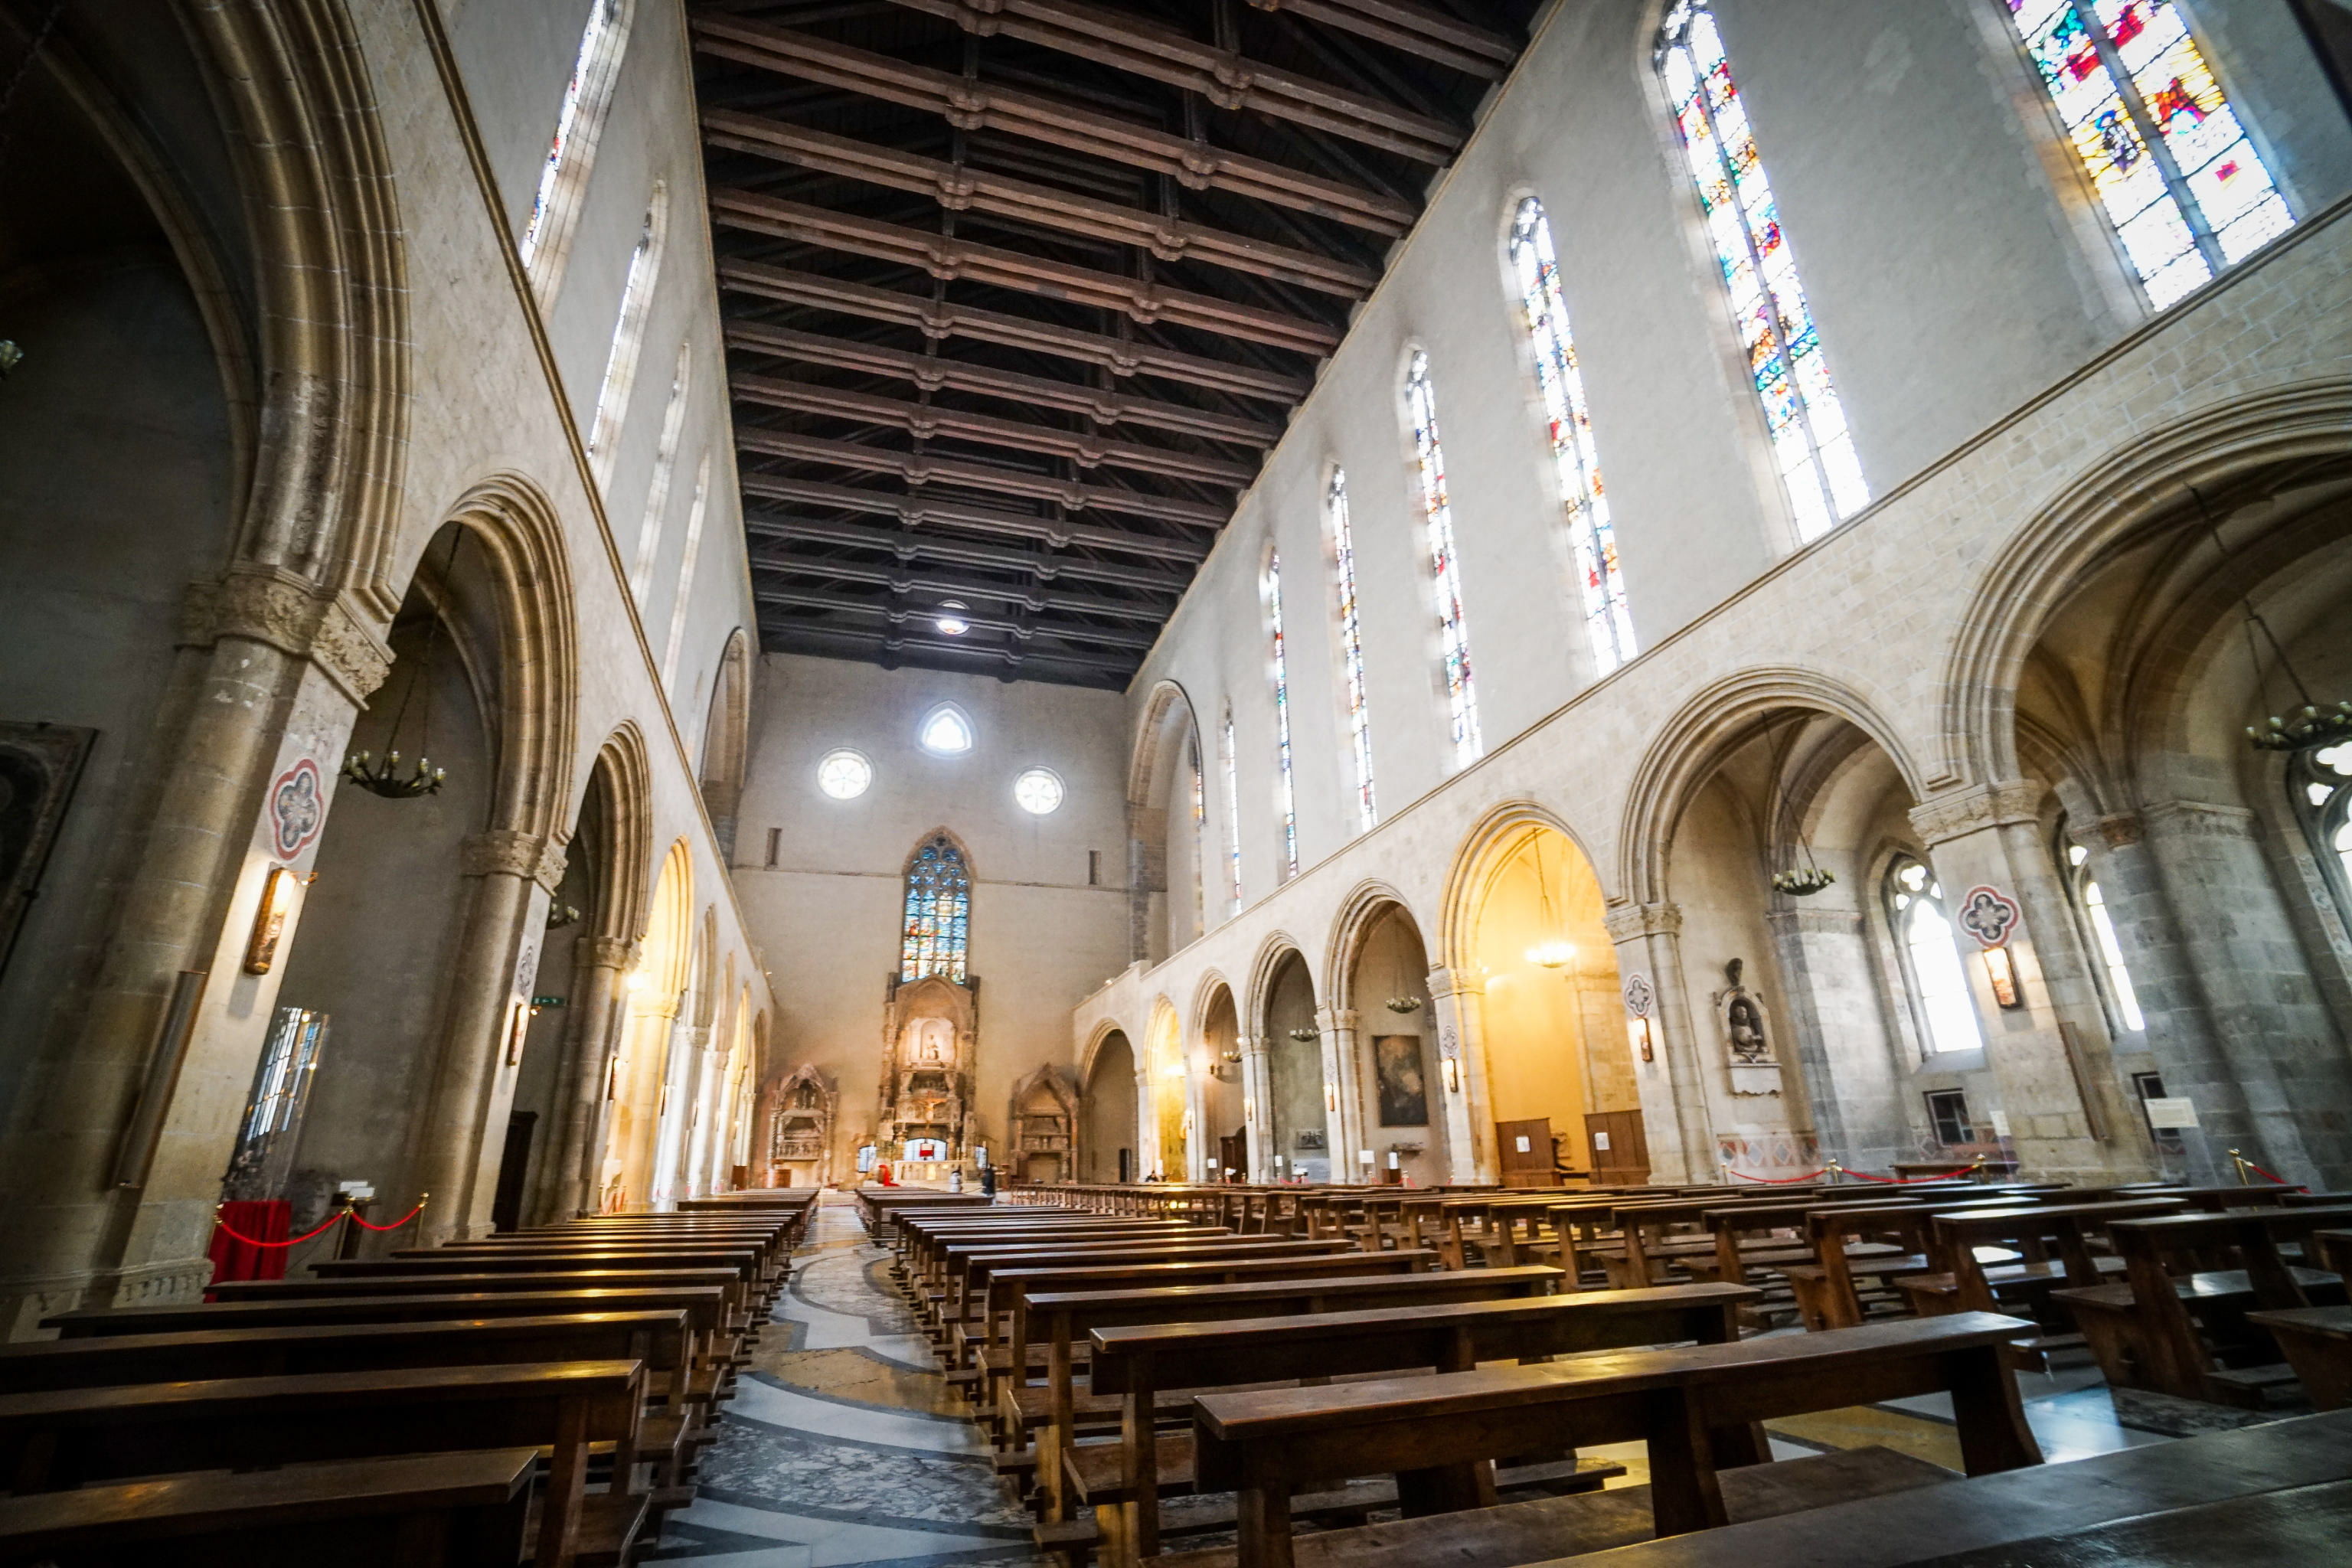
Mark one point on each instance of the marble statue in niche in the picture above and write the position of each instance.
(1747, 1034)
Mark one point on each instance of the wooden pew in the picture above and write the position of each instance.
(1066, 1320)
(1695, 1408)
(1964, 1284)
(1884, 1242)
(2317, 1341)
(2177, 1322)
(1139, 1363)
(60, 1439)
(430, 1510)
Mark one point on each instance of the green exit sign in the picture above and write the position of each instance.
(547, 1001)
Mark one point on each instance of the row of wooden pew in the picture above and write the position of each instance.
(1122, 1362)
(536, 1397)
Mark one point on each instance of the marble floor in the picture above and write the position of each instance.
(843, 1445)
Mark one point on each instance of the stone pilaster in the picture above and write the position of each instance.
(1147, 1125)
(1457, 1001)
(1674, 1115)
(566, 1174)
(1343, 1095)
(1833, 1014)
(1257, 1105)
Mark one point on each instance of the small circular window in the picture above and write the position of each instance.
(844, 774)
(946, 731)
(1039, 790)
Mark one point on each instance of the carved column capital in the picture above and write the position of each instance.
(607, 951)
(1630, 922)
(1329, 1018)
(2119, 831)
(1445, 982)
(505, 851)
(1960, 812)
(263, 604)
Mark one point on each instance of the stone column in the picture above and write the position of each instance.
(270, 671)
(560, 1190)
(1147, 1125)
(463, 1133)
(1675, 1120)
(1344, 1122)
(1831, 1012)
(703, 1064)
(2235, 1019)
(1198, 1133)
(1457, 1002)
(1991, 835)
(1257, 1107)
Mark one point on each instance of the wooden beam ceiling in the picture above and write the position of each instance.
(1019, 292)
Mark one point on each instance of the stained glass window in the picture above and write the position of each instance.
(1437, 511)
(1351, 644)
(1199, 830)
(1232, 815)
(2185, 189)
(938, 913)
(628, 336)
(1285, 790)
(1811, 444)
(585, 97)
(1607, 621)
(1932, 976)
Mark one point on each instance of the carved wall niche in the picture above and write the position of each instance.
(930, 1037)
(1747, 1033)
(1043, 1145)
(800, 1141)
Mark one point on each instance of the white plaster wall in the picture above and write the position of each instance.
(826, 915)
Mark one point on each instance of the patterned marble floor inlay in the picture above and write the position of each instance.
(844, 1445)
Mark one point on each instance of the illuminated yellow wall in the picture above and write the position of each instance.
(1166, 1054)
(1541, 1024)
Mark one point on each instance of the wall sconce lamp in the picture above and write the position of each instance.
(2001, 973)
(1331, 1098)
(1450, 1067)
(1638, 1031)
(269, 919)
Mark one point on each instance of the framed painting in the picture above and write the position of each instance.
(1403, 1084)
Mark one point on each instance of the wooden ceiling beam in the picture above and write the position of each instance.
(906, 546)
(936, 320)
(1032, 598)
(921, 469)
(899, 615)
(961, 187)
(931, 374)
(953, 259)
(1424, 34)
(913, 512)
(926, 422)
(1225, 77)
(971, 105)
(1018, 658)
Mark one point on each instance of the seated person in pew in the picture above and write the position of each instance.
(1141, 1364)
(1698, 1410)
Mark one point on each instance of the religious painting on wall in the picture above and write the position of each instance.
(39, 764)
(1403, 1085)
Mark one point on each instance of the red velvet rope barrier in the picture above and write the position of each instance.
(297, 1241)
(1860, 1175)
(1777, 1181)
(351, 1215)
(1907, 1181)
(2257, 1170)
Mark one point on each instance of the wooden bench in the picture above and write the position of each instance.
(1963, 1283)
(2177, 1322)
(431, 1511)
(1851, 1242)
(2317, 1341)
(1696, 1408)
(1138, 1364)
(63, 1438)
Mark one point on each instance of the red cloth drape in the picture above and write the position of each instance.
(264, 1219)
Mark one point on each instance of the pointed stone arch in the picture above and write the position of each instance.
(1043, 1142)
(726, 740)
(1367, 903)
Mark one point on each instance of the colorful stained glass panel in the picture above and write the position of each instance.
(1446, 570)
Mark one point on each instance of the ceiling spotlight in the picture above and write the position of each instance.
(950, 624)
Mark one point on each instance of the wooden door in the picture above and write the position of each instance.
(1618, 1146)
(1523, 1152)
(514, 1169)
(1233, 1154)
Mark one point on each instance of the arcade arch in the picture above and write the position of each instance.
(1171, 1094)
(1397, 1087)
(1166, 812)
(1107, 1150)
(1304, 1144)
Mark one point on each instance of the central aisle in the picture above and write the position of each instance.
(842, 1444)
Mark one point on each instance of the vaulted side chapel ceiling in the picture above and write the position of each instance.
(1019, 292)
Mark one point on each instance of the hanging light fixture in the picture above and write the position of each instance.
(1798, 882)
(2317, 723)
(384, 777)
(1554, 952)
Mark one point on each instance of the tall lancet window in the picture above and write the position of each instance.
(1285, 789)
(1351, 645)
(1445, 569)
(579, 122)
(1607, 621)
(937, 926)
(1200, 832)
(2185, 189)
(628, 337)
(1811, 444)
(1231, 764)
